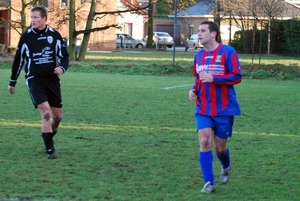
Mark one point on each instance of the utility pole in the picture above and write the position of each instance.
(253, 40)
(269, 36)
(260, 39)
(175, 25)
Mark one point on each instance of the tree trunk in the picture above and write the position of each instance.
(23, 13)
(72, 31)
(150, 24)
(86, 36)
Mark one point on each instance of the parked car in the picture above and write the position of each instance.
(193, 42)
(163, 38)
(126, 41)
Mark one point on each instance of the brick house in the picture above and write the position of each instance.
(57, 13)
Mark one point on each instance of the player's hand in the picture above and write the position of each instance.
(206, 77)
(58, 71)
(11, 89)
(192, 94)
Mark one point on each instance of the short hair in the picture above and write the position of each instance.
(212, 26)
(42, 9)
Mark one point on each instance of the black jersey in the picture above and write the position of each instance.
(42, 51)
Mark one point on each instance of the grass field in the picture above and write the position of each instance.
(132, 138)
(146, 62)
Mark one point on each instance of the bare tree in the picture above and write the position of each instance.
(21, 24)
(69, 16)
(251, 12)
(92, 16)
(272, 9)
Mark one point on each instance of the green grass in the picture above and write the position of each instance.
(150, 62)
(146, 55)
(131, 138)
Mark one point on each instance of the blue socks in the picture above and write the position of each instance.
(206, 165)
(224, 159)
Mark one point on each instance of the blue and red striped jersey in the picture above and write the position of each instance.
(217, 98)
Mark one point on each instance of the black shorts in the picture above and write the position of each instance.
(44, 89)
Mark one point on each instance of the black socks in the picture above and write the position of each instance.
(47, 137)
(54, 131)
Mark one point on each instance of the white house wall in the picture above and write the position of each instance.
(136, 20)
(224, 29)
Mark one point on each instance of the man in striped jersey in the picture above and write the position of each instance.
(216, 70)
(46, 56)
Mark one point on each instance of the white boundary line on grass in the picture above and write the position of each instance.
(178, 86)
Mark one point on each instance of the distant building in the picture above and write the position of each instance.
(57, 11)
(188, 19)
(132, 23)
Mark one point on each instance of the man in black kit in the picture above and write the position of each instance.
(46, 56)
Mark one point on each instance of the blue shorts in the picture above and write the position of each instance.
(222, 125)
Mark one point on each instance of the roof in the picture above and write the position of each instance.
(294, 2)
(205, 8)
(200, 8)
(4, 2)
(134, 5)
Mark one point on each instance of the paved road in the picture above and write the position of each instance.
(136, 50)
(181, 49)
(177, 49)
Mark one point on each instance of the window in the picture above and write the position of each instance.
(41, 2)
(128, 28)
(83, 1)
(64, 4)
(191, 29)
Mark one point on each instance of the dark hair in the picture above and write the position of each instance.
(212, 26)
(41, 9)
